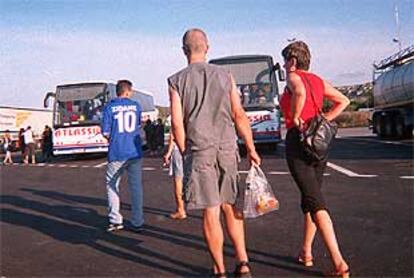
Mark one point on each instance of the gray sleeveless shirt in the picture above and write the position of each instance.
(204, 90)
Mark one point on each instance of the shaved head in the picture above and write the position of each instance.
(195, 42)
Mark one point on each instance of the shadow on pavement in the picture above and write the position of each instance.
(90, 236)
(370, 149)
(88, 231)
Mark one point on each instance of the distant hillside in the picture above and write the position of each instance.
(359, 94)
(164, 111)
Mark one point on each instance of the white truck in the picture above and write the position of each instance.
(12, 119)
(393, 93)
(77, 110)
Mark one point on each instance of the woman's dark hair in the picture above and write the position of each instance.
(300, 51)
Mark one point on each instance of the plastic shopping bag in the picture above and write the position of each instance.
(259, 198)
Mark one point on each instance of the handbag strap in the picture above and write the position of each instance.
(312, 95)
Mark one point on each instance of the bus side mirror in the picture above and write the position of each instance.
(280, 72)
(45, 100)
(282, 75)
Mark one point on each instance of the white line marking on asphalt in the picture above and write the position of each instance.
(407, 177)
(100, 165)
(40, 164)
(50, 165)
(148, 168)
(73, 166)
(347, 172)
(277, 173)
(165, 169)
(373, 140)
(86, 166)
(61, 165)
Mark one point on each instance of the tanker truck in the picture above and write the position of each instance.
(393, 93)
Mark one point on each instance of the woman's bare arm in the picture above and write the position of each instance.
(340, 101)
(298, 90)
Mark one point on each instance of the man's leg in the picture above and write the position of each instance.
(113, 177)
(33, 153)
(134, 169)
(26, 155)
(213, 234)
(178, 182)
(235, 228)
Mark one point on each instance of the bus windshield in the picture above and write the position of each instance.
(79, 104)
(254, 80)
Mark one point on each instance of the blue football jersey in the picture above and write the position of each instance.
(121, 121)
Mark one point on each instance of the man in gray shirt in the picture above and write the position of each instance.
(205, 112)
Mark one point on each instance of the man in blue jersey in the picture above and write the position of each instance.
(121, 124)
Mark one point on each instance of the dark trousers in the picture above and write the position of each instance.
(47, 152)
(307, 173)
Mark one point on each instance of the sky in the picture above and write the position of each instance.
(46, 43)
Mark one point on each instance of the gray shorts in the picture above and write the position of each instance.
(211, 177)
(30, 149)
(176, 164)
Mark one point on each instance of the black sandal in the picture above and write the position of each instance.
(239, 274)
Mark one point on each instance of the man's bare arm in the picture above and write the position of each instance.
(177, 122)
(242, 124)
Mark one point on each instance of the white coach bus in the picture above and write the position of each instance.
(256, 79)
(77, 110)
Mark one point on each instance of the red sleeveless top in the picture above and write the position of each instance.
(309, 109)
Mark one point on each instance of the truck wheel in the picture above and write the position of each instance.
(388, 126)
(399, 128)
(380, 126)
(377, 126)
(408, 132)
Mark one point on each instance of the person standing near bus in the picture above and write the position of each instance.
(121, 125)
(30, 147)
(206, 111)
(22, 145)
(7, 145)
(174, 159)
(47, 143)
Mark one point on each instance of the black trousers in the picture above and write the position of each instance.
(307, 173)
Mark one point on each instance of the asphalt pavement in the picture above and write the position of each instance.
(53, 218)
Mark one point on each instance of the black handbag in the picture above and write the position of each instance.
(318, 135)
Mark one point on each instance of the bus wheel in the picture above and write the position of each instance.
(242, 150)
(272, 147)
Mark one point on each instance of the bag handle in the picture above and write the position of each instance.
(318, 110)
(257, 169)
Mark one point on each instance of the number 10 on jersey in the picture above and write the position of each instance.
(127, 121)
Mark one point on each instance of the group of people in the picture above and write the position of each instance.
(207, 115)
(27, 146)
(154, 135)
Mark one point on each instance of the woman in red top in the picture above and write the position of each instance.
(299, 107)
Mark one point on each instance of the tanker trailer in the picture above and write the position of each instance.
(393, 93)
